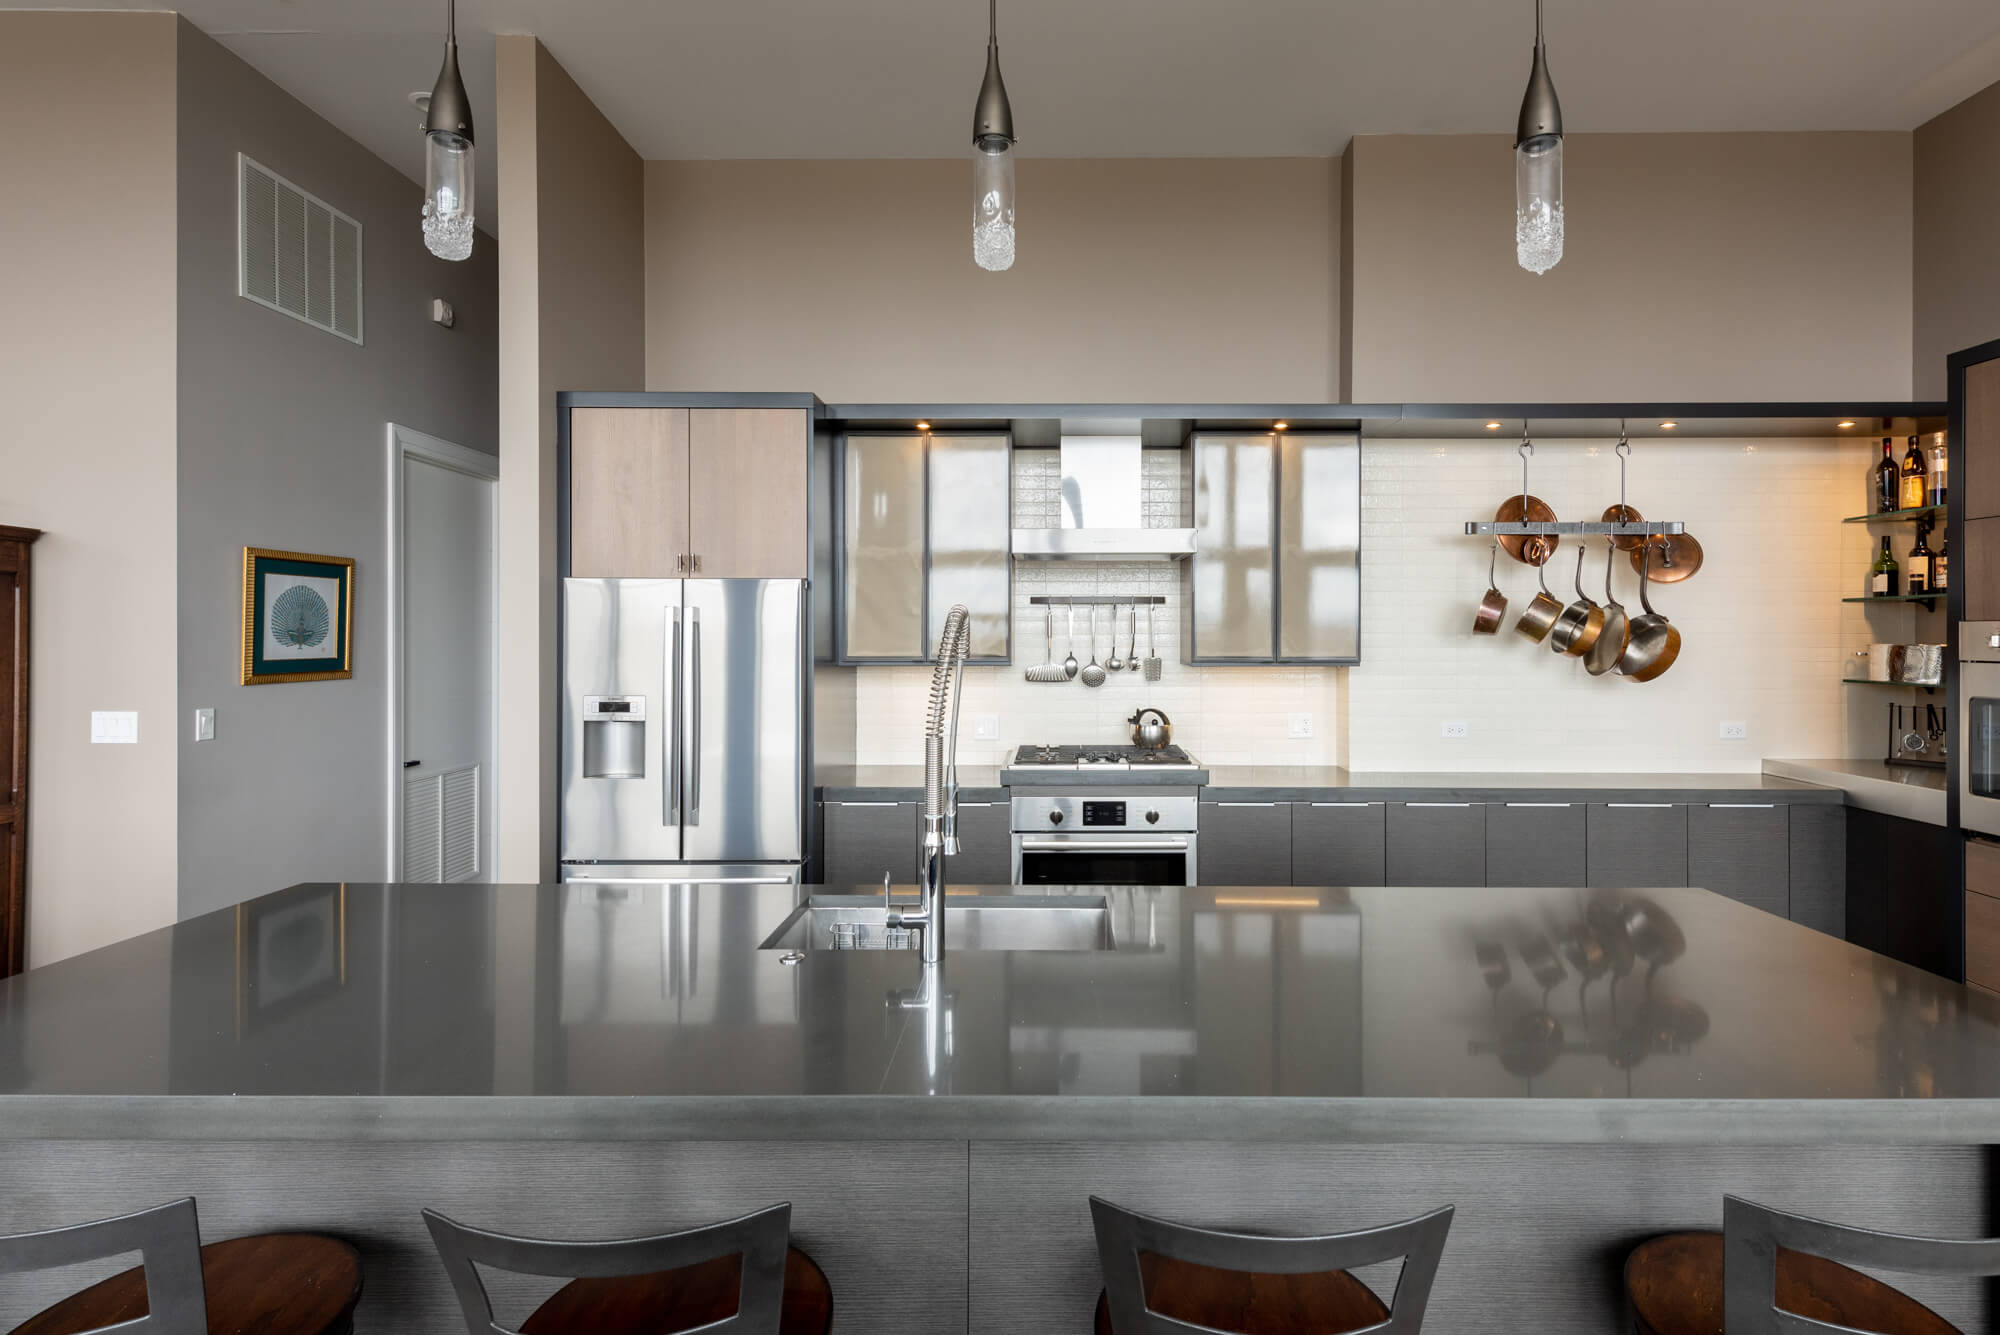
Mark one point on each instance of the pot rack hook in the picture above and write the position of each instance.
(1526, 449)
(1624, 448)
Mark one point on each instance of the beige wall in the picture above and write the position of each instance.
(89, 380)
(1746, 266)
(1155, 280)
(572, 316)
(1957, 236)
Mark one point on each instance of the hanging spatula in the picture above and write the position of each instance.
(1152, 647)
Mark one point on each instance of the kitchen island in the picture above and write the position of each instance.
(1573, 1069)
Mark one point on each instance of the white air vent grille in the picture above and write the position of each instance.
(296, 253)
(441, 826)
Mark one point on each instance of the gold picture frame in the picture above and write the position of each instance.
(315, 615)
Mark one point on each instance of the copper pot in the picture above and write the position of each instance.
(1540, 618)
(1655, 643)
(1492, 607)
(1581, 622)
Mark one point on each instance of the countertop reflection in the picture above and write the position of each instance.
(661, 992)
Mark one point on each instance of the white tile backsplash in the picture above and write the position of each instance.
(1765, 635)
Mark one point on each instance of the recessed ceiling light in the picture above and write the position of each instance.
(1492, 426)
(1668, 426)
(923, 426)
(1280, 426)
(1845, 425)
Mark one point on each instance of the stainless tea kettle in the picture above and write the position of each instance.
(1150, 736)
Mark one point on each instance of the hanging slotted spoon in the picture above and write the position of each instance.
(1048, 669)
(1093, 675)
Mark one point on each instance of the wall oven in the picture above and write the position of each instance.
(1112, 839)
(1979, 726)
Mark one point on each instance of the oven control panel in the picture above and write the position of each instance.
(1108, 815)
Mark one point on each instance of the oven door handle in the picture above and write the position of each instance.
(1061, 845)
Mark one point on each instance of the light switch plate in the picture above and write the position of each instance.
(1735, 732)
(114, 726)
(204, 725)
(1299, 725)
(1457, 727)
(985, 727)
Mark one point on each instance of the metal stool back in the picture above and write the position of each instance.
(1123, 1234)
(761, 1239)
(1752, 1235)
(168, 1240)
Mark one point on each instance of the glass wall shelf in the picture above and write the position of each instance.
(1896, 516)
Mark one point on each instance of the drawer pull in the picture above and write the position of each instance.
(873, 804)
(1742, 806)
(1545, 806)
(1453, 805)
(1344, 806)
(1243, 804)
(1640, 806)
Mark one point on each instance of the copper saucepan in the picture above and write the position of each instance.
(1617, 632)
(1493, 607)
(1581, 622)
(1541, 615)
(1655, 643)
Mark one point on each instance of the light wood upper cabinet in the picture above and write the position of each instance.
(668, 493)
(750, 476)
(628, 493)
(1981, 456)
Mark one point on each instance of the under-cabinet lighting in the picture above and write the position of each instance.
(1845, 425)
(923, 426)
(1668, 426)
(1273, 902)
(1280, 426)
(1492, 426)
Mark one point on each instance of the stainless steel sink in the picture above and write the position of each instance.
(1009, 922)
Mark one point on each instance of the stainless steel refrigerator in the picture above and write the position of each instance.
(684, 730)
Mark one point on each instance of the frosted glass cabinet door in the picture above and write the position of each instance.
(884, 547)
(1319, 547)
(1235, 480)
(970, 537)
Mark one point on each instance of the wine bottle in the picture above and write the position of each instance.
(1918, 578)
(1886, 486)
(1883, 575)
(1941, 566)
(1940, 467)
(1911, 494)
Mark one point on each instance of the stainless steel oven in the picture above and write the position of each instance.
(1119, 838)
(1979, 726)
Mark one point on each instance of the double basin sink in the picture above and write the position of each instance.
(971, 922)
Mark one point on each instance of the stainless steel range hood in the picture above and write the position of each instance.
(1103, 508)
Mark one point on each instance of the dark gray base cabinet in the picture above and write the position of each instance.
(1244, 843)
(1534, 843)
(1744, 852)
(1636, 843)
(1340, 843)
(985, 845)
(865, 839)
(1437, 843)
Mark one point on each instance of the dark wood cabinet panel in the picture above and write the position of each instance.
(985, 845)
(865, 839)
(1437, 843)
(1631, 845)
(1981, 458)
(1742, 851)
(1903, 891)
(1340, 843)
(1534, 843)
(1979, 569)
(15, 544)
(1819, 868)
(1245, 843)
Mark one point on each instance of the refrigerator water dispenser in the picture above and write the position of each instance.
(614, 737)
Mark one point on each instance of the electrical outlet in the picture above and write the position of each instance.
(114, 725)
(204, 725)
(1457, 727)
(1735, 732)
(1299, 725)
(985, 727)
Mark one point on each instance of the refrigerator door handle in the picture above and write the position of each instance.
(671, 687)
(694, 719)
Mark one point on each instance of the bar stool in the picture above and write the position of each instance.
(743, 1277)
(1769, 1272)
(271, 1283)
(1162, 1277)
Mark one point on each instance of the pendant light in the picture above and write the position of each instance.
(448, 156)
(993, 160)
(1538, 167)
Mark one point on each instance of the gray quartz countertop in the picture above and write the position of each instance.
(1301, 1015)
(1874, 785)
(1305, 783)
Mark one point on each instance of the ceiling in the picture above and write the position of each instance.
(1123, 78)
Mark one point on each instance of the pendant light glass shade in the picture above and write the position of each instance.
(1538, 203)
(1538, 167)
(448, 157)
(993, 161)
(993, 203)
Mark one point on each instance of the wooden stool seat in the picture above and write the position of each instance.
(684, 1299)
(1235, 1300)
(268, 1284)
(1674, 1283)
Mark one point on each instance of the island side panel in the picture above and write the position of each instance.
(1538, 1242)
(887, 1222)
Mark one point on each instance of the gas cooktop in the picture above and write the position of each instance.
(1103, 758)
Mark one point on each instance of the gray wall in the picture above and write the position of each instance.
(1958, 236)
(282, 444)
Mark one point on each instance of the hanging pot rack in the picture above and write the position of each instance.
(1529, 528)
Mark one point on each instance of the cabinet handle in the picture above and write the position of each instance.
(871, 804)
(681, 563)
(1349, 806)
(1640, 806)
(1438, 804)
(697, 563)
(1742, 806)
(1549, 806)
(1243, 804)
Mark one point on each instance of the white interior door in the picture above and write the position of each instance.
(445, 637)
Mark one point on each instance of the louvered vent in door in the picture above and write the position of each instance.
(441, 826)
(296, 253)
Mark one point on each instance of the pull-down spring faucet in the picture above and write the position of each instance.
(940, 811)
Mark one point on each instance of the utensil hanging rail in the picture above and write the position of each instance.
(1525, 528)
(1093, 600)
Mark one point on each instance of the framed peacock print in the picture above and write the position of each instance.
(298, 617)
